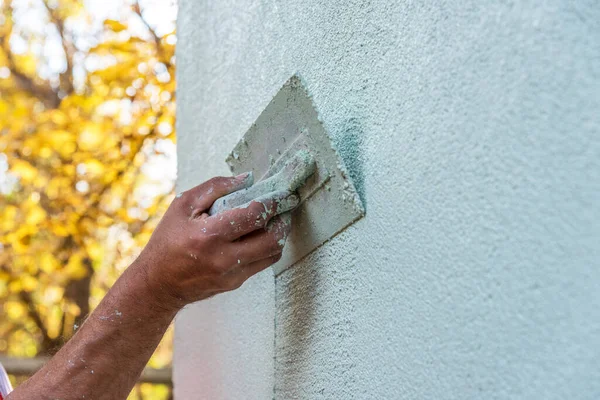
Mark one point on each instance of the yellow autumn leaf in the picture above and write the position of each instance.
(3, 107)
(143, 238)
(57, 137)
(59, 185)
(29, 283)
(91, 137)
(73, 309)
(20, 239)
(115, 26)
(94, 168)
(15, 310)
(75, 268)
(9, 216)
(54, 322)
(15, 286)
(24, 170)
(45, 152)
(95, 250)
(59, 117)
(52, 294)
(35, 215)
(48, 263)
(27, 63)
(61, 229)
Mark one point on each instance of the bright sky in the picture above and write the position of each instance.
(160, 14)
(30, 14)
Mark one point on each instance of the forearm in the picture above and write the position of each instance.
(108, 353)
(190, 257)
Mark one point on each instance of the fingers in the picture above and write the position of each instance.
(204, 195)
(257, 266)
(243, 273)
(262, 244)
(237, 222)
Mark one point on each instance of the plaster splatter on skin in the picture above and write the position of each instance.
(179, 195)
(286, 204)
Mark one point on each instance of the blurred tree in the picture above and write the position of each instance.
(86, 120)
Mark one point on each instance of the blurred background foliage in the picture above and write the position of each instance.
(87, 160)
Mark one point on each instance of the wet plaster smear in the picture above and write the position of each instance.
(472, 130)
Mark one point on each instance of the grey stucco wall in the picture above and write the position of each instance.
(475, 139)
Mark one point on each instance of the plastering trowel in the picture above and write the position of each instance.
(287, 149)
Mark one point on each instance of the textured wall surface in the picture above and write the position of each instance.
(473, 131)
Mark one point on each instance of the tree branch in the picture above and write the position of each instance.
(43, 92)
(138, 10)
(66, 78)
(155, 38)
(48, 343)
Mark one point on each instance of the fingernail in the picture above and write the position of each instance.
(294, 200)
(282, 223)
(247, 179)
(288, 203)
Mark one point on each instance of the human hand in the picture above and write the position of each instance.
(192, 256)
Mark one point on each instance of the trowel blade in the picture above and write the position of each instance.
(329, 200)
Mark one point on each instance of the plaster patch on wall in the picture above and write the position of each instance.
(349, 145)
(316, 326)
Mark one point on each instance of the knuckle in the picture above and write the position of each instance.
(200, 240)
(259, 210)
(216, 180)
(214, 264)
(192, 242)
(182, 200)
(274, 244)
(232, 283)
(256, 207)
(183, 195)
(220, 264)
(236, 284)
(220, 182)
